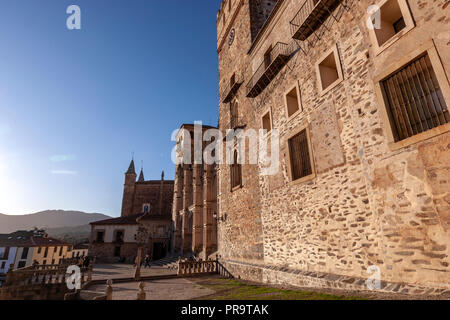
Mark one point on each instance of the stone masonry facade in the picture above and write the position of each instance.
(195, 199)
(371, 200)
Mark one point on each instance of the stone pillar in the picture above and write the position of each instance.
(177, 207)
(197, 225)
(187, 196)
(209, 206)
(141, 295)
(109, 289)
(137, 274)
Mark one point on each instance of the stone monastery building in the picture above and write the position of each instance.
(145, 205)
(363, 119)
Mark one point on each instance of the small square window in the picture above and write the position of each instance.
(391, 22)
(292, 101)
(266, 123)
(329, 71)
(393, 18)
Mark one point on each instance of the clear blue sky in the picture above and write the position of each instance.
(75, 104)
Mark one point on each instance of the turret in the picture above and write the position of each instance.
(128, 190)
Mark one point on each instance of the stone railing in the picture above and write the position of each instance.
(189, 267)
(106, 295)
(48, 274)
(40, 282)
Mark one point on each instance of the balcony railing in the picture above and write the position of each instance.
(311, 15)
(231, 89)
(273, 62)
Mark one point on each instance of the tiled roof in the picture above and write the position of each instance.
(150, 217)
(28, 239)
(120, 220)
(81, 246)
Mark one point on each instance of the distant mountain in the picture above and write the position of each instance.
(49, 219)
(75, 235)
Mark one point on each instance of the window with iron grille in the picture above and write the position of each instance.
(299, 156)
(414, 100)
(236, 172)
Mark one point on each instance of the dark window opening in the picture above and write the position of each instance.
(25, 253)
(236, 172)
(100, 236)
(399, 25)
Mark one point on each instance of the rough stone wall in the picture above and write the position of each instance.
(147, 192)
(104, 252)
(128, 194)
(367, 205)
(259, 12)
(239, 226)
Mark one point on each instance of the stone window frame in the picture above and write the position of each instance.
(292, 133)
(409, 21)
(115, 235)
(266, 111)
(300, 103)
(429, 48)
(335, 51)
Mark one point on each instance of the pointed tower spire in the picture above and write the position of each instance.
(131, 169)
(141, 175)
(162, 176)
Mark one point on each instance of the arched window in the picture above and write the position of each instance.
(234, 114)
(236, 172)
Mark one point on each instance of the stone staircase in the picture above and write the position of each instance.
(170, 262)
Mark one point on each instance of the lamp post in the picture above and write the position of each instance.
(141, 239)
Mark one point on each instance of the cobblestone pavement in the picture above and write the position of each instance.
(118, 271)
(168, 289)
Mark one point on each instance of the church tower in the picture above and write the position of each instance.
(128, 190)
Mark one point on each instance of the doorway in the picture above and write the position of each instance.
(159, 251)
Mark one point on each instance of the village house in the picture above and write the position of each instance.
(80, 250)
(359, 93)
(24, 248)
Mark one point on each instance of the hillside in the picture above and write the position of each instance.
(49, 219)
